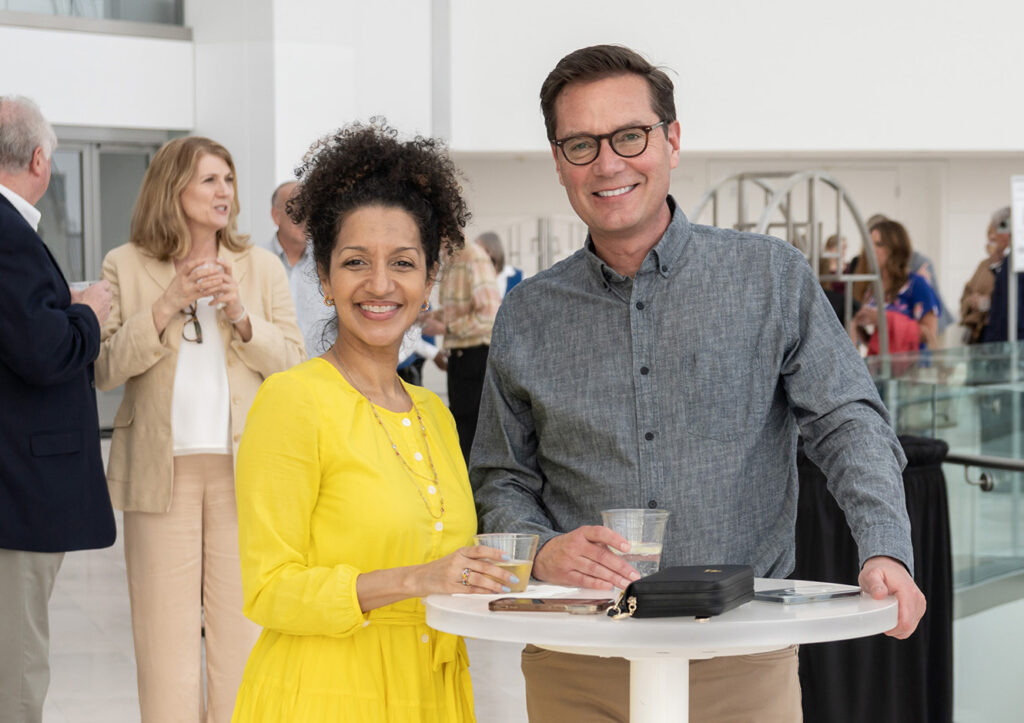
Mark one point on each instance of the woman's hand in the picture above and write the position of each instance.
(225, 295)
(867, 316)
(383, 587)
(446, 574)
(224, 289)
(193, 279)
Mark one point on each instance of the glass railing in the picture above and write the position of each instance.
(143, 11)
(973, 399)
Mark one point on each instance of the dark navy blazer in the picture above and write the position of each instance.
(53, 493)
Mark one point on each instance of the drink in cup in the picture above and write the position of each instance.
(81, 285)
(520, 549)
(645, 531)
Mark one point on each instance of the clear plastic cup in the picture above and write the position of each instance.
(645, 531)
(519, 547)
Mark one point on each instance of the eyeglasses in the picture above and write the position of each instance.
(192, 321)
(629, 142)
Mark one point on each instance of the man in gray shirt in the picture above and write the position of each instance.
(716, 349)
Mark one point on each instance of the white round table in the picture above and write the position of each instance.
(660, 649)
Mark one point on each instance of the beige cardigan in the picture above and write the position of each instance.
(140, 470)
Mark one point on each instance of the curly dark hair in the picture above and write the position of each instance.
(366, 165)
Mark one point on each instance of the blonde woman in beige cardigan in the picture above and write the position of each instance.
(199, 319)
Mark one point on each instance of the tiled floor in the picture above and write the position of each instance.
(93, 668)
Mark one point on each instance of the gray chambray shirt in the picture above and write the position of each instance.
(684, 389)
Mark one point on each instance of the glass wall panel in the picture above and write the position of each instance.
(972, 398)
(61, 226)
(146, 11)
(121, 173)
(120, 176)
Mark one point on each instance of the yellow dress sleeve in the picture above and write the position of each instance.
(278, 480)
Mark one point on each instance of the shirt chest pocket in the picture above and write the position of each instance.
(725, 394)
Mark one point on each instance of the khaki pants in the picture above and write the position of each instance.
(26, 581)
(761, 688)
(183, 570)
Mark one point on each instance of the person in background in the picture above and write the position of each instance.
(353, 497)
(416, 349)
(290, 245)
(917, 264)
(706, 374)
(906, 293)
(976, 299)
(835, 291)
(199, 320)
(469, 302)
(507, 275)
(997, 327)
(53, 496)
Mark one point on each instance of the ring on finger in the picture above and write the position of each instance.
(465, 576)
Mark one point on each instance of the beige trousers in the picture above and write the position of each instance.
(26, 582)
(183, 576)
(761, 688)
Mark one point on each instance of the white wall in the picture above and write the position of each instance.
(788, 75)
(106, 81)
(272, 76)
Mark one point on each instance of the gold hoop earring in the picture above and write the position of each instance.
(328, 301)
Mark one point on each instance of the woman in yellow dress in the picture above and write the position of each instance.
(353, 496)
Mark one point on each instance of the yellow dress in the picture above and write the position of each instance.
(322, 497)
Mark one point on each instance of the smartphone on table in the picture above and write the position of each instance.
(807, 593)
(571, 605)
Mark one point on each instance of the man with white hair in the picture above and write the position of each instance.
(290, 245)
(53, 493)
(997, 328)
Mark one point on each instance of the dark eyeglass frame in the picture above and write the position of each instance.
(560, 142)
(192, 318)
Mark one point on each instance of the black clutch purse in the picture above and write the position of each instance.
(690, 590)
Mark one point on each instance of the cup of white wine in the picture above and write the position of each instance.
(520, 549)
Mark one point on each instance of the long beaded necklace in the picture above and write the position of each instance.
(394, 447)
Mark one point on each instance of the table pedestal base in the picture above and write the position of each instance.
(659, 690)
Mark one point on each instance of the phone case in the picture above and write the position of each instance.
(573, 606)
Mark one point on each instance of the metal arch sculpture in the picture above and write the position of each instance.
(778, 199)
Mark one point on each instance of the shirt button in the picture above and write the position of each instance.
(366, 623)
(424, 638)
(439, 526)
(652, 504)
(156, 354)
(432, 490)
(649, 436)
(406, 422)
(237, 437)
(664, 269)
(234, 400)
(645, 371)
(418, 457)
(640, 305)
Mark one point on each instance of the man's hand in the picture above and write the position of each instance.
(883, 576)
(441, 359)
(97, 297)
(581, 558)
(432, 324)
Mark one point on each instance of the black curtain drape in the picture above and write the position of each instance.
(880, 679)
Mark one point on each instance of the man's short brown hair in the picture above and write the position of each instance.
(603, 61)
